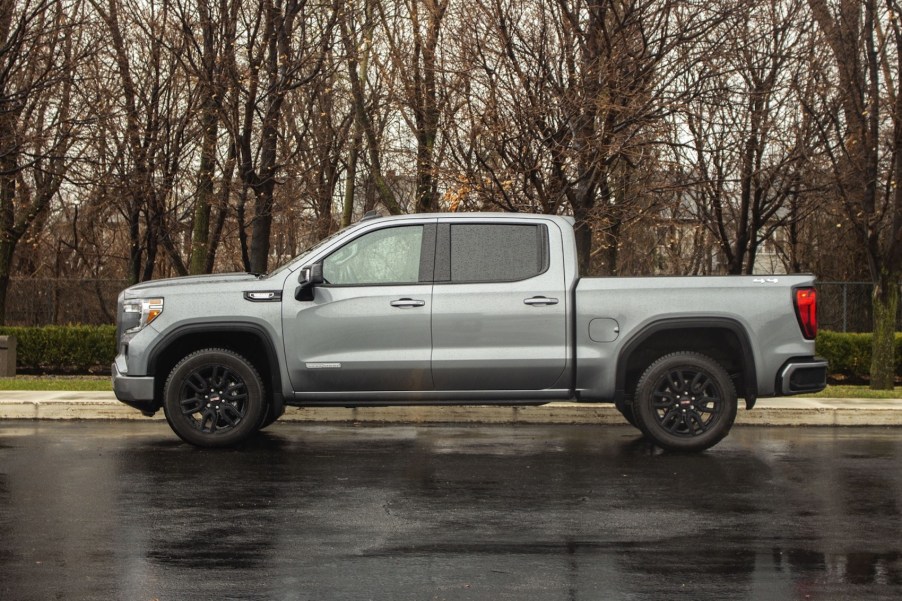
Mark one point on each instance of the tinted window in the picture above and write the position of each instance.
(492, 252)
(388, 256)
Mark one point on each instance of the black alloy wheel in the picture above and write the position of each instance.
(214, 398)
(685, 402)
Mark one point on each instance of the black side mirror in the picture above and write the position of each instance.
(309, 279)
(312, 275)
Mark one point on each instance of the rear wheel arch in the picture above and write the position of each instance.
(722, 339)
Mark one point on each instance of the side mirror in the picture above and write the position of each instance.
(310, 277)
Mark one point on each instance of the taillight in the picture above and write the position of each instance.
(806, 311)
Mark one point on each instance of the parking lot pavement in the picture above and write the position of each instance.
(124, 510)
(786, 411)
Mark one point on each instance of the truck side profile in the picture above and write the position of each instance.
(476, 308)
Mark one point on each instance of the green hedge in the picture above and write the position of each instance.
(63, 349)
(850, 354)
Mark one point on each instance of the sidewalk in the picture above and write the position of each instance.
(786, 411)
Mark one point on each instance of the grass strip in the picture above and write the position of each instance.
(857, 392)
(58, 383)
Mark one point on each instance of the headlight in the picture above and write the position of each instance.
(137, 313)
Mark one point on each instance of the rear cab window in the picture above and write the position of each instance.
(490, 252)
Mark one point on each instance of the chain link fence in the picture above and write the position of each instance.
(846, 307)
(842, 306)
(41, 302)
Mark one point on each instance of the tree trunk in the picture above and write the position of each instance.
(366, 124)
(222, 210)
(261, 229)
(886, 307)
(347, 207)
(7, 248)
(134, 237)
(425, 103)
(582, 230)
(200, 239)
(9, 163)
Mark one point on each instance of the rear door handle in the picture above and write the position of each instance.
(406, 303)
(539, 301)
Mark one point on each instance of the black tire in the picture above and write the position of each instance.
(685, 402)
(214, 398)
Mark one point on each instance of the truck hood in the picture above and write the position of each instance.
(216, 278)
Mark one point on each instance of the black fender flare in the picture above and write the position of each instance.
(637, 339)
(171, 337)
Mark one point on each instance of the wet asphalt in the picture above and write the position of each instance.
(117, 510)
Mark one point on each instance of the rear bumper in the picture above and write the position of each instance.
(804, 375)
(135, 391)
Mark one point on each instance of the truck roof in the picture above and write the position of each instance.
(471, 215)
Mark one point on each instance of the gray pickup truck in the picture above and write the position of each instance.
(476, 308)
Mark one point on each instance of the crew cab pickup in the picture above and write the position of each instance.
(476, 308)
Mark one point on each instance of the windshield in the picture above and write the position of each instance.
(306, 252)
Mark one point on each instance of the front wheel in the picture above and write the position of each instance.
(214, 398)
(685, 402)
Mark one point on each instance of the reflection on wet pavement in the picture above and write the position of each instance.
(124, 511)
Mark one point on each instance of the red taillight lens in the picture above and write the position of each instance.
(806, 311)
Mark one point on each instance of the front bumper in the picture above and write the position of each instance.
(800, 376)
(135, 391)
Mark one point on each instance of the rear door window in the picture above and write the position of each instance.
(485, 252)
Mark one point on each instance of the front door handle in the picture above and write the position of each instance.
(540, 301)
(406, 303)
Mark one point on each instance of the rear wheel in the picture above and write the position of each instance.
(214, 398)
(685, 402)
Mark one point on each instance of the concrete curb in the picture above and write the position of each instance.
(789, 411)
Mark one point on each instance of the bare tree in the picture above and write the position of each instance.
(565, 102)
(352, 30)
(39, 49)
(413, 34)
(317, 124)
(157, 108)
(362, 53)
(285, 45)
(744, 142)
(867, 163)
(210, 34)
